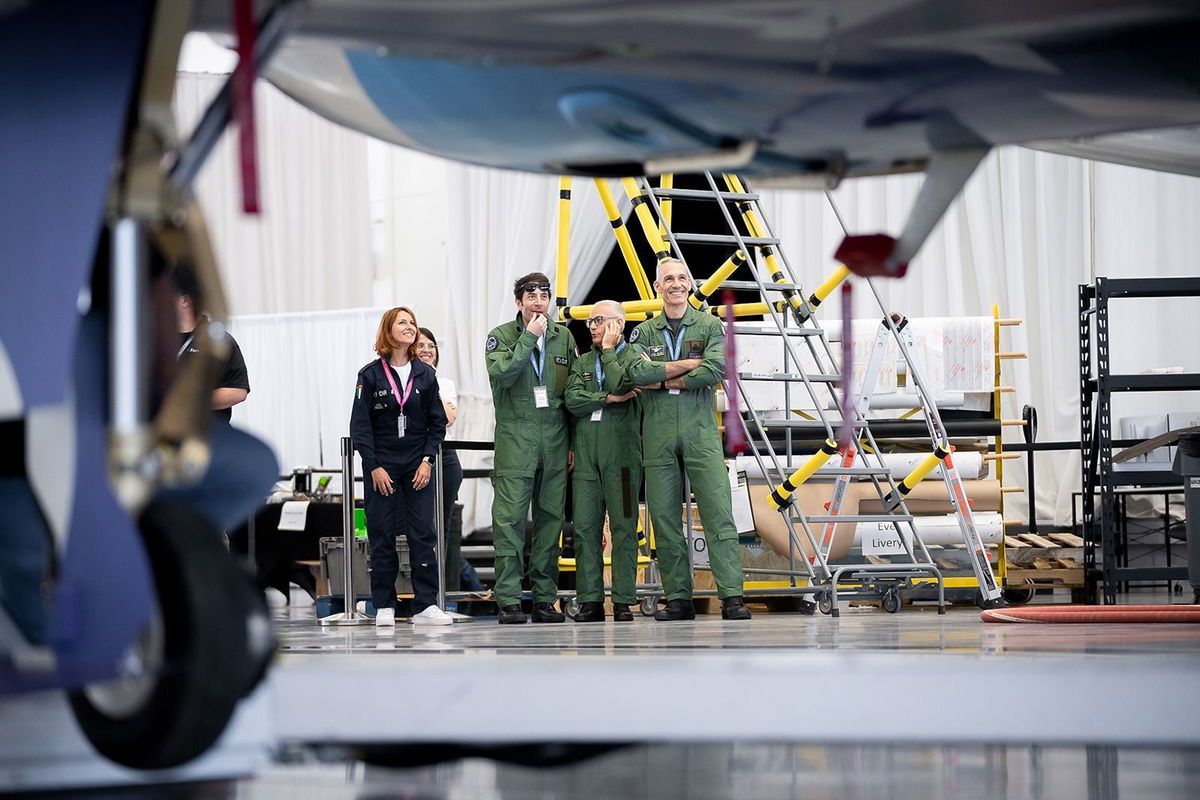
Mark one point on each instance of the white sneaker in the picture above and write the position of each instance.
(432, 615)
(385, 617)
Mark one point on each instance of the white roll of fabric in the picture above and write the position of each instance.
(938, 530)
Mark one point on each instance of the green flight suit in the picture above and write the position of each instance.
(608, 473)
(531, 456)
(683, 427)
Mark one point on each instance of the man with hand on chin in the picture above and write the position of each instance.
(528, 361)
(608, 465)
(684, 349)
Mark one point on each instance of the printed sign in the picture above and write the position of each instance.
(293, 515)
(881, 539)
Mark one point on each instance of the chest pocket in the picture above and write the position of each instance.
(694, 348)
(561, 370)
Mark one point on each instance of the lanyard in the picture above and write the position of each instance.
(387, 370)
(600, 367)
(183, 349)
(538, 366)
(674, 347)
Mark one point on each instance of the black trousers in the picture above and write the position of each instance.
(411, 512)
(452, 474)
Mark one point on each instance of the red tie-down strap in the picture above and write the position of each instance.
(243, 101)
(735, 434)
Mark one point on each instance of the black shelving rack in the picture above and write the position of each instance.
(1096, 386)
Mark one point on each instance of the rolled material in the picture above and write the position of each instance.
(861, 498)
(930, 497)
(940, 530)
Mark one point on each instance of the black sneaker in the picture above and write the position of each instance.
(734, 608)
(545, 612)
(589, 612)
(512, 615)
(621, 613)
(676, 610)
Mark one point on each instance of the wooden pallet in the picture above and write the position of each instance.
(1053, 559)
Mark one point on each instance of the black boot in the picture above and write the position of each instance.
(545, 612)
(512, 615)
(621, 613)
(734, 608)
(676, 610)
(590, 612)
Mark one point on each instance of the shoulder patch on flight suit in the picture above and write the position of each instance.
(492, 343)
(587, 376)
(633, 337)
(657, 350)
(560, 360)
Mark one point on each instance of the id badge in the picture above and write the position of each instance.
(540, 398)
(401, 424)
(672, 391)
(597, 414)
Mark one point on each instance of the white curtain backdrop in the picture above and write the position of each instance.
(310, 248)
(1028, 229)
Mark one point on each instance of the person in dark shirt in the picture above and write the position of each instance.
(397, 425)
(234, 385)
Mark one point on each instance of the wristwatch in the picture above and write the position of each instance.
(427, 460)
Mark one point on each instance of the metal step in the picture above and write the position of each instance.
(771, 287)
(861, 518)
(722, 238)
(851, 471)
(788, 376)
(794, 424)
(486, 573)
(478, 551)
(703, 194)
(744, 331)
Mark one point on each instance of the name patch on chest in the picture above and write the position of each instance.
(657, 350)
(560, 360)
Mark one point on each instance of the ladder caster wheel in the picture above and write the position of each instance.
(986, 605)
(570, 606)
(648, 606)
(807, 608)
(825, 603)
(1020, 596)
(891, 601)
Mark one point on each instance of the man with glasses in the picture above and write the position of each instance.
(528, 362)
(685, 350)
(608, 465)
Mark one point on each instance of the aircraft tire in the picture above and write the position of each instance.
(202, 660)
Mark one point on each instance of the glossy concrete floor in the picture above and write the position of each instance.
(779, 677)
(868, 705)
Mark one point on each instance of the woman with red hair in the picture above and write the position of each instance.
(397, 425)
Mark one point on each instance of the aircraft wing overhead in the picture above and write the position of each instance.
(1171, 150)
(789, 87)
